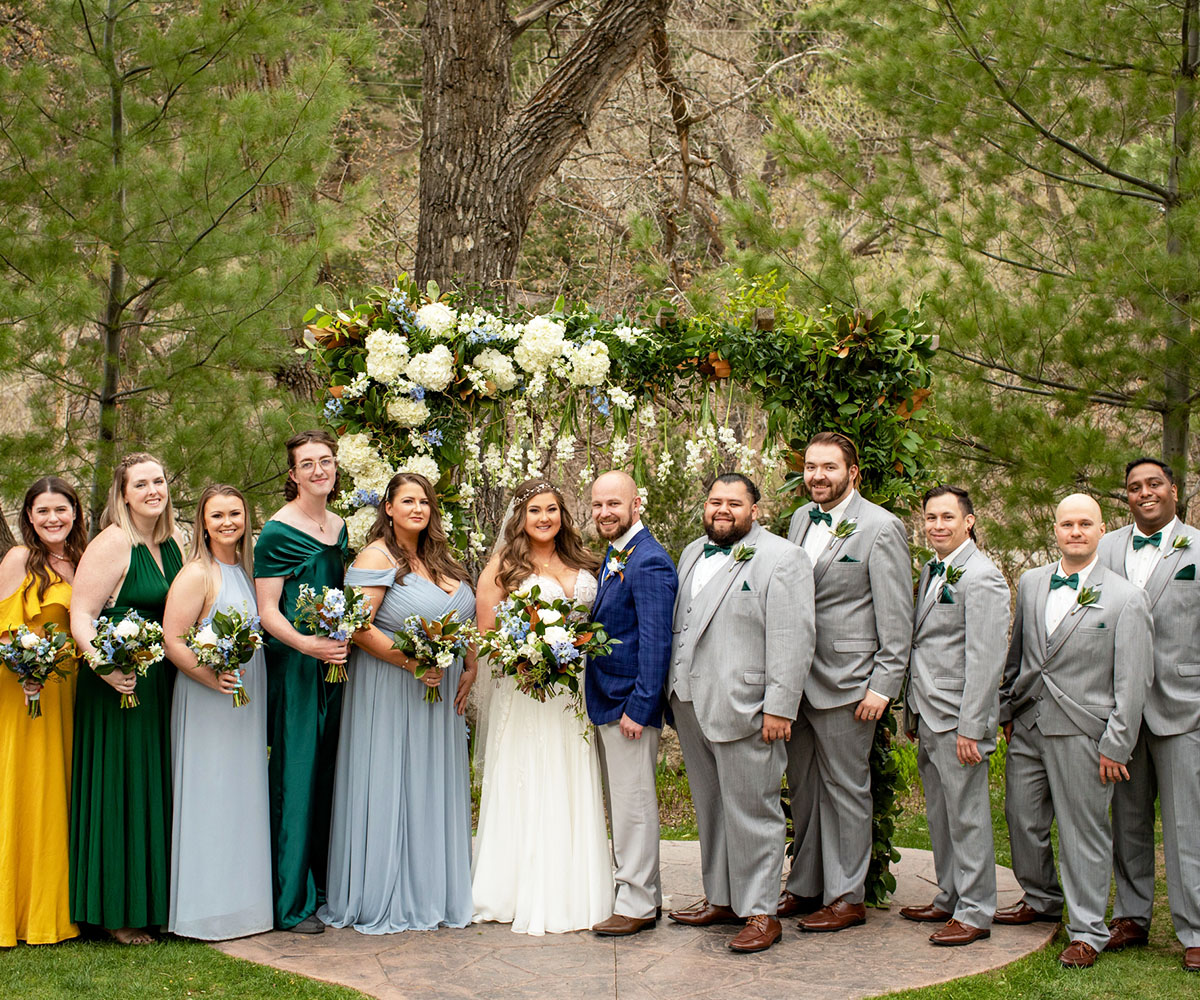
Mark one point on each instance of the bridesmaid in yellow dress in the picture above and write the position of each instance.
(35, 754)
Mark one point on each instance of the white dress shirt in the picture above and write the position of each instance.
(707, 567)
(941, 581)
(1140, 564)
(819, 533)
(1061, 601)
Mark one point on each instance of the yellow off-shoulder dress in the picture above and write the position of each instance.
(35, 785)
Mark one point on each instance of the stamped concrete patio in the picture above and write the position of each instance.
(669, 962)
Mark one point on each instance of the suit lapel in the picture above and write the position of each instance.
(687, 564)
(1165, 569)
(713, 593)
(829, 553)
(1039, 610)
(931, 595)
(1115, 550)
(1076, 615)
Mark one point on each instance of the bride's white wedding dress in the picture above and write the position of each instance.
(541, 851)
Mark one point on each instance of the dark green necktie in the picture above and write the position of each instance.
(711, 549)
(817, 515)
(1071, 581)
(1140, 540)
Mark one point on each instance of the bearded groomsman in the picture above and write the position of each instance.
(1158, 553)
(625, 697)
(743, 639)
(960, 628)
(864, 616)
(1079, 663)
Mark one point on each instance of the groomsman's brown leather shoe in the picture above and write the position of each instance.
(957, 933)
(761, 931)
(1191, 960)
(925, 914)
(1124, 932)
(836, 916)
(1022, 913)
(704, 913)
(1077, 955)
(790, 904)
(619, 925)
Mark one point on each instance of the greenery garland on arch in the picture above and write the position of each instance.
(476, 400)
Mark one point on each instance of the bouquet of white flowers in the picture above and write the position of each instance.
(335, 613)
(434, 644)
(224, 641)
(37, 658)
(131, 645)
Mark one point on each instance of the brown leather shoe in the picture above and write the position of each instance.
(619, 925)
(1125, 932)
(790, 904)
(1077, 955)
(761, 931)
(1022, 913)
(835, 917)
(957, 933)
(1191, 960)
(704, 913)
(926, 914)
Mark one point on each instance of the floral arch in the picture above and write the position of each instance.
(478, 400)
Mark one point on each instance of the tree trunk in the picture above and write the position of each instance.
(483, 162)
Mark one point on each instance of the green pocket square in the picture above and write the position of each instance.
(1187, 573)
(947, 597)
(849, 559)
(745, 585)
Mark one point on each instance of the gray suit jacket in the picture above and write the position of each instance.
(1091, 675)
(864, 607)
(746, 640)
(1173, 703)
(957, 661)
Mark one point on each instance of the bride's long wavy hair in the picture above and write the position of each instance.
(516, 563)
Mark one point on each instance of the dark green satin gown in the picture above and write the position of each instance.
(121, 776)
(303, 714)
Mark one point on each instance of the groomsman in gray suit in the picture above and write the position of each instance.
(960, 628)
(1159, 554)
(1080, 661)
(863, 579)
(742, 645)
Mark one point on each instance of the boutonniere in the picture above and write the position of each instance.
(742, 553)
(1088, 598)
(953, 575)
(1178, 544)
(846, 527)
(616, 562)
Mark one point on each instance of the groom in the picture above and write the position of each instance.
(625, 697)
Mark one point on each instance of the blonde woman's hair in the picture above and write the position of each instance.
(116, 511)
(201, 548)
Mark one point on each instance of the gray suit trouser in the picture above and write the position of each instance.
(829, 780)
(1058, 777)
(632, 801)
(735, 789)
(960, 828)
(1169, 765)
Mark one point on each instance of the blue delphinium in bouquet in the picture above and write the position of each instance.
(37, 658)
(336, 613)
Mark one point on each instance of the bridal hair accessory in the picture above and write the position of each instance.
(533, 491)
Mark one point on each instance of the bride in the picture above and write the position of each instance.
(541, 855)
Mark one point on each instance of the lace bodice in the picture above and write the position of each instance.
(586, 587)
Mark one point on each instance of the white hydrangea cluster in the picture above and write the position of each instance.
(647, 415)
(360, 459)
(434, 369)
(621, 399)
(541, 344)
(437, 319)
(482, 320)
(537, 385)
(407, 412)
(498, 368)
(358, 524)
(628, 334)
(589, 363)
(387, 355)
(422, 465)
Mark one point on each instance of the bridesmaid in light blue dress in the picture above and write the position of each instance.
(400, 844)
(221, 826)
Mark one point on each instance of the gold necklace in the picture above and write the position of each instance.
(320, 525)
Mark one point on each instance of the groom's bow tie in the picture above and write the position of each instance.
(1071, 581)
(711, 550)
(817, 515)
(1140, 540)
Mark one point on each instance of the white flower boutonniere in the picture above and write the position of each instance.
(741, 553)
(1089, 597)
(846, 527)
(1178, 544)
(616, 562)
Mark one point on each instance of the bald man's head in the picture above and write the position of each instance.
(616, 506)
(1078, 525)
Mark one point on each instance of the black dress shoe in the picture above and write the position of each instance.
(309, 925)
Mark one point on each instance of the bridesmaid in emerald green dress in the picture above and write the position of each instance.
(304, 543)
(121, 790)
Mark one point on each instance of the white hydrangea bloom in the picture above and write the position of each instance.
(358, 524)
(387, 355)
(407, 412)
(497, 367)
(354, 452)
(621, 399)
(540, 345)
(422, 465)
(628, 334)
(589, 363)
(647, 415)
(434, 369)
(437, 318)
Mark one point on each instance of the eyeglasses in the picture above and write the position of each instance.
(309, 466)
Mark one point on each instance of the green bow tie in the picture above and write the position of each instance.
(710, 549)
(1071, 581)
(937, 567)
(817, 515)
(1140, 540)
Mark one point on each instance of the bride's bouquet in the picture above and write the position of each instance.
(435, 645)
(37, 658)
(541, 644)
(131, 645)
(224, 641)
(337, 613)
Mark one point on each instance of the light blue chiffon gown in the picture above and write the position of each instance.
(400, 843)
